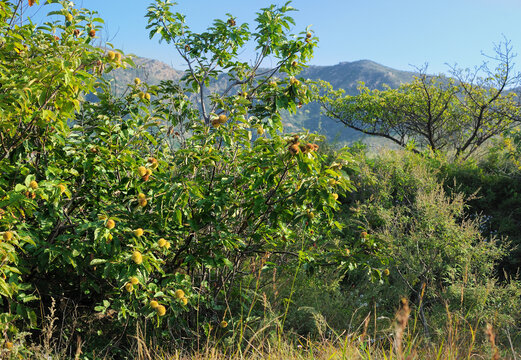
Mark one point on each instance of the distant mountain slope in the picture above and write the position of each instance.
(345, 75)
(148, 70)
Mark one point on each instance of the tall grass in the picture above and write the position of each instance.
(403, 341)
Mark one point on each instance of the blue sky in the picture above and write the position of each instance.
(396, 33)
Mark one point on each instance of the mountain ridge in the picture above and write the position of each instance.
(345, 75)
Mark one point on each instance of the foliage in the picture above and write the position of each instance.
(344, 75)
(493, 188)
(509, 151)
(443, 114)
(45, 69)
(438, 255)
(408, 227)
(166, 212)
(215, 52)
(146, 209)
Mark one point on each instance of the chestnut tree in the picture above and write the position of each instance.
(149, 206)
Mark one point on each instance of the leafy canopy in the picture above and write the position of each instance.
(148, 207)
(455, 115)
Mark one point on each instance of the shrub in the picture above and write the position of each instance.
(435, 254)
(493, 188)
(207, 195)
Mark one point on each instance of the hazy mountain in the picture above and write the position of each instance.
(345, 75)
(148, 70)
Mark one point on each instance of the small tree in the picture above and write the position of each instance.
(457, 114)
(147, 208)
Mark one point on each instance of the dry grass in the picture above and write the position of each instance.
(404, 343)
(349, 349)
(401, 341)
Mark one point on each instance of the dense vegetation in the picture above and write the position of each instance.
(180, 218)
(454, 115)
(345, 75)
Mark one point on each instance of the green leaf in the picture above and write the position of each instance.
(179, 216)
(5, 289)
(150, 138)
(31, 314)
(97, 262)
(20, 188)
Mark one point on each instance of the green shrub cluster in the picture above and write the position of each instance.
(147, 208)
(430, 249)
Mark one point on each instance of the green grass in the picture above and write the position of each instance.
(404, 340)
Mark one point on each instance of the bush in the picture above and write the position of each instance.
(434, 253)
(147, 209)
(494, 191)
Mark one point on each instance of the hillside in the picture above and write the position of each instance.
(149, 70)
(345, 75)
